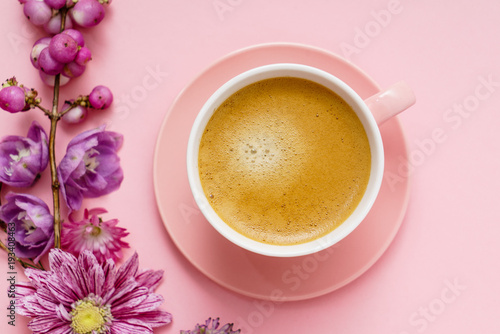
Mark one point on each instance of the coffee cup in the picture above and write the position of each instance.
(256, 154)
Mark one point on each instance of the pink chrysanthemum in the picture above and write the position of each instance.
(103, 238)
(82, 296)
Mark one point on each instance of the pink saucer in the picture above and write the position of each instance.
(251, 274)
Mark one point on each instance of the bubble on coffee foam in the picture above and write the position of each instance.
(265, 152)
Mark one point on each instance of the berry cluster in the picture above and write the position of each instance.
(99, 98)
(15, 98)
(63, 55)
(47, 13)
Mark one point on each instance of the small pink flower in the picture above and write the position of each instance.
(211, 326)
(102, 238)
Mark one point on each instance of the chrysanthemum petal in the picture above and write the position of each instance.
(156, 318)
(137, 305)
(131, 326)
(64, 293)
(62, 313)
(150, 278)
(120, 292)
(109, 270)
(130, 301)
(57, 257)
(128, 269)
(24, 289)
(45, 299)
(28, 306)
(37, 276)
(45, 324)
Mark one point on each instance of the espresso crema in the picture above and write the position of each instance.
(284, 161)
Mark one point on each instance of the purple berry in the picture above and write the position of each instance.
(73, 70)
(76, 35)
(83, 56)
(54, 25)
(87, 13)
(63, 48)
(48, 64)
(39, 45)
(75, 115)
(37, 11)
(43, 40)
(12, 99)
(50, 80)
(100, 97)
(56, 4)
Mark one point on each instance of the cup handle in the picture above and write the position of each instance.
(390, 102)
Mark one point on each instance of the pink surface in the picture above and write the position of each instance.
(439, 275)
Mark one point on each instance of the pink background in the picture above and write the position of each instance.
(441, 273)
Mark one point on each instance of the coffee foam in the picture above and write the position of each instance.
(280, 163)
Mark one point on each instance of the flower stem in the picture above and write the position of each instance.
(53, 168)
(54, 118)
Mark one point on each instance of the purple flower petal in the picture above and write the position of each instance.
(22, 159)
(91, 166)
(34, 225)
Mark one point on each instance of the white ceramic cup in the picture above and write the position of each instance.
(372, 112)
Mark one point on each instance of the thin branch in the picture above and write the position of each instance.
(62, 113)
(54, 118)
(45, 111)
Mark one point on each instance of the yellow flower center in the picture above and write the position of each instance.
(93, 230)
(88, 318)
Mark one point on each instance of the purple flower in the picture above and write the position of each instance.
(103, 238)
(22, 159)
(211, 326)
(80, 295)
(91, 167)
(32, 222)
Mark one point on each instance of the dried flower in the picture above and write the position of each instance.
(33, 223)
(103, 238)
(82, 296)
(211, 326)
(22, 159)
(91, 167)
